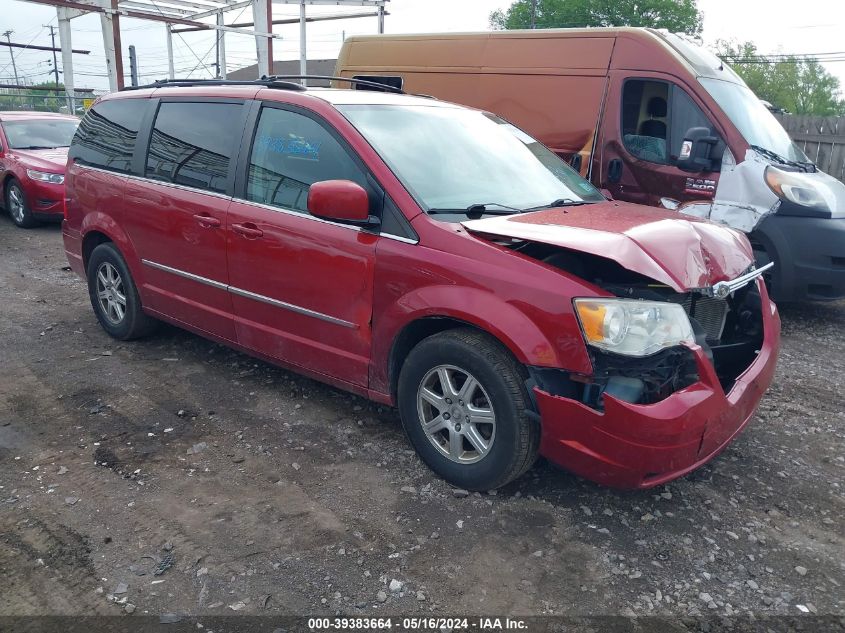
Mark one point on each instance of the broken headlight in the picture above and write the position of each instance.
(633, 327)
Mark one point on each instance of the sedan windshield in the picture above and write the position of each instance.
(753, 120)
(40, 133)
(464, 161)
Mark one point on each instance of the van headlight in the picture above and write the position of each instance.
(43, 176)
(632, 327)
(798, 188)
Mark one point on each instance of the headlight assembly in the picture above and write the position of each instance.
(798, 188)
(633, 327)
(43, 176)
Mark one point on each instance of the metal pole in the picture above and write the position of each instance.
(8, 35)
(262, 44)
(303, 54)
(171, 73)
(221, 48)
(381, 19)
(133, 65)
(64, 16)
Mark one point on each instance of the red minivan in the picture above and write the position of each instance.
(427, 256)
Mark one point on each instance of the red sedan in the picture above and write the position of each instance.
(33, 152)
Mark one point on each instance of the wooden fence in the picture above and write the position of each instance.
(822, 139)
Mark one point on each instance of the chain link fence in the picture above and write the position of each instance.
(41, 99)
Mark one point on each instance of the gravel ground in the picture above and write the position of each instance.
(173, 475)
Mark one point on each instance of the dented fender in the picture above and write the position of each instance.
(743, 199)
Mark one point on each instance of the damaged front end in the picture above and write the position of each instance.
(726, 320)
(679, 329)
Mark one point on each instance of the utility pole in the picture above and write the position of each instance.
(55, 63)
(533, 14)
(133, 65)
(8, 35)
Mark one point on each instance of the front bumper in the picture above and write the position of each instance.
(809, 256)
(45, 199)
(641, 446)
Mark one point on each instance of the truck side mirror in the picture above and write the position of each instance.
(697, 150)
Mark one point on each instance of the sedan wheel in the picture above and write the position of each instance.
(17, 207)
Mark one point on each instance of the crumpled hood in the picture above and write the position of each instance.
(682, 252)
(50, 160)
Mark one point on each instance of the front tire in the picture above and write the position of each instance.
(114, 296)
(18, 207)
(464, 405)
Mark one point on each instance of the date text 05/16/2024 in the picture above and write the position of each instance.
(418, 624)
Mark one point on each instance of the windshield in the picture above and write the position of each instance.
(452, 159)
(40, 133)
(753, 119)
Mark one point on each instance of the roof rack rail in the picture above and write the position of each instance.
(364, 82)
(267, 82)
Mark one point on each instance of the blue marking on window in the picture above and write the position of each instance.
(295, 146)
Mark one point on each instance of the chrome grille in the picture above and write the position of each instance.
(709, 312)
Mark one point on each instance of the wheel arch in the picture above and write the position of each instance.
(414, 333)
(91, 241)
(98, 228)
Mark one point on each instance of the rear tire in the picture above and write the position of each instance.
(114, 296)
(18, 207)
(464, 405)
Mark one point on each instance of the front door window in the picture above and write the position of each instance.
(656, 116)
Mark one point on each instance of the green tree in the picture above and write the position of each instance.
(799, 85)
(678, 16)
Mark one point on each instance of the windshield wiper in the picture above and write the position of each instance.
(481, 209)
(36, 147)
(561, 202)
(780, 159)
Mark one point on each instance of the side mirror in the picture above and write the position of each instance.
(697, 150)
(341, 200)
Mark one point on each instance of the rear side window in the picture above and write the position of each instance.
(192, 143)
(290, 153)
(106, 136)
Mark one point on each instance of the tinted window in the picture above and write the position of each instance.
(655, 119)
(106, 136)
(393, 81)
(192, 144)
(290, 153)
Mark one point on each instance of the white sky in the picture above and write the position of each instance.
(776, 26)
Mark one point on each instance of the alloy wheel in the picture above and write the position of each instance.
(111, 293)
(456, 414)
(17, 206)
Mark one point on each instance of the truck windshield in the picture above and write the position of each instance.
(753, 120)
(40, 133)
(465, 161)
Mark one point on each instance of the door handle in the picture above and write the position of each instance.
(206, 220)
(248, 230)
(614, 170)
